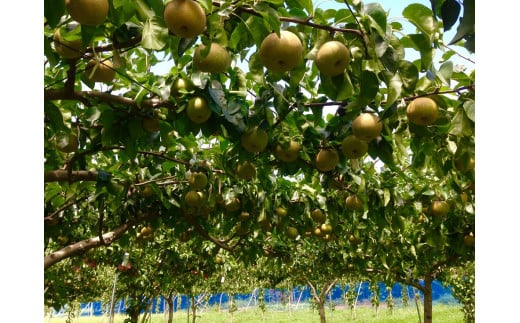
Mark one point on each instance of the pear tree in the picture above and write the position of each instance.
(280, 108)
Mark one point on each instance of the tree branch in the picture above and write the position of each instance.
(64, 175)
(86, 96)
(306, 21)
(325, 291)
(84, 245)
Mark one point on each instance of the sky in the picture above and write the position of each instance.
(497, 131)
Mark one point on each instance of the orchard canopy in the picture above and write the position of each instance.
(215, 137)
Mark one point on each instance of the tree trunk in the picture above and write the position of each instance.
(321, 298)
(321, 310)
(428, 300)
(193, 309)
(134, 316)
(169, 301)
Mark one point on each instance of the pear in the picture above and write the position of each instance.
(180, 86)
(66, 48)
(422, 111)
(197, 180)
(353, 147)
(185, 18)
(198, 110)
(327, 159)
(332, 58)
(100, 70)
(246, 170)
(88, 12)
(353, 202)
(281, 54)
(367, 126)
(287, 154)
(217, 61)
(254, 140)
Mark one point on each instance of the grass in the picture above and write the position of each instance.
(363, 314)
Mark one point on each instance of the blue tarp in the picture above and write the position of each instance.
(274, 296)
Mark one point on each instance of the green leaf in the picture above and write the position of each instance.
(450, 10)
(460, 125)
(383, 150)
(386, 195)
(275, 2)
(143, 10)
(377, 15)
(237, 36)
(421, 43)
(49, 52)
(382, 258)
(421, 16)
(53, 10)
(305, 4)
(395, 86)
(336, 88)
(53, 116)
(409, 75)
(154, 36)
(413, 251)
(369, 86)
(467, 23)
(87, 35)
(271, 20)
(445, 72)
(158, 6)
(469, 108)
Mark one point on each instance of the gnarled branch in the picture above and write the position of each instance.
(64, 175)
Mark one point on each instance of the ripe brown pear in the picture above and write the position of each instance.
(193, 198)
(353, 203)
(254, 140)
(353, 148)
(216, 61)
(146, 191)
(181, 86)
(280, 212)
(287, 154)
(332, 58)
(469, 239)
(100, 71)
(318, 216)
(281, 54)
(146, 231)
(246, 171)
(291, 232)
(327, 159)
(326, 228)
(367, 126)
(317, 232)
(233, 205)
(465, 163)
(422, 111)
(198, 110)
(197, 180)
(67, 143)
(66, 48)
(150, 124)
(185, 18)
(88, 12)
(439, 208)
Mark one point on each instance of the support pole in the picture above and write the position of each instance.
(112, 304)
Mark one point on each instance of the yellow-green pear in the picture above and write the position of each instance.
(185, 18)
(332, 58)
(281, 54)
